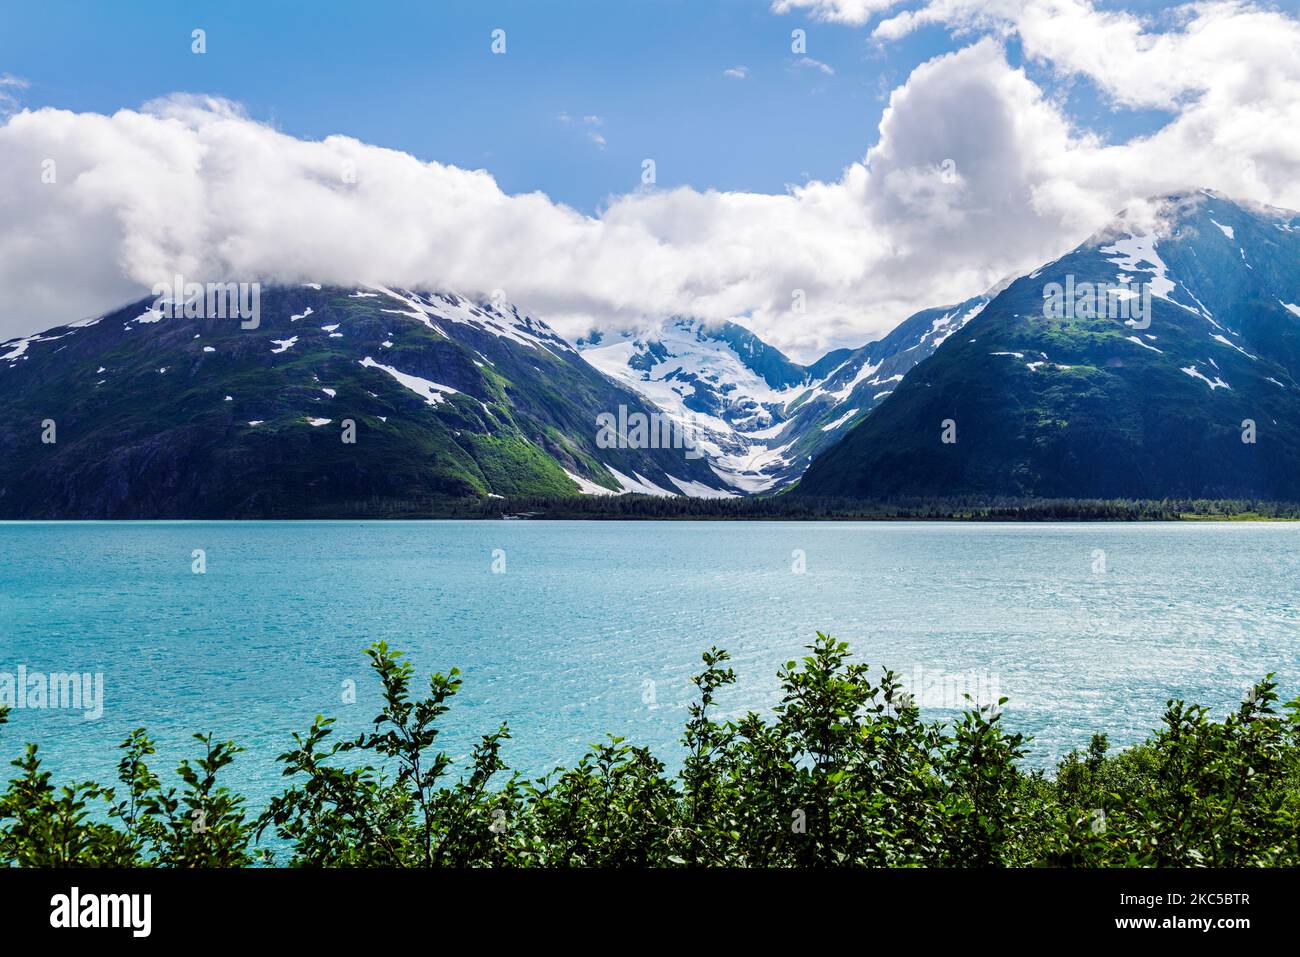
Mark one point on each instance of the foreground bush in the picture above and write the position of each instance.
(845, 774)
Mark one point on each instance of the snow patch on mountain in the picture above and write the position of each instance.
(699, 489)
(1138, 253)
(431, 392)
(1144, 345)
(840, 421)
(588, 487)
(1226, 230)
(1215, 383)
(501, 320)
(1232, 345)
(637, 483)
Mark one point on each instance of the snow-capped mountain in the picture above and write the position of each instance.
(760, 417)
(723, 384)
(1160, 358)
(853, 385)
(140, 413)
(336, 401)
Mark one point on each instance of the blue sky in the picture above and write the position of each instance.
(420, 77)
(1020, 128)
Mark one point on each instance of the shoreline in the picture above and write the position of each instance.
(781, 508)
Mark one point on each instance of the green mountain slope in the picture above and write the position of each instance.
(1090, 406)
(170, 417)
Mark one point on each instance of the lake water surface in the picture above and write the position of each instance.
(595, 627)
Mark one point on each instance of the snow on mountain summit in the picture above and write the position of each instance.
(759, 417)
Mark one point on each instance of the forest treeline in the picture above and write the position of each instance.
(804, 508)
(844, 772)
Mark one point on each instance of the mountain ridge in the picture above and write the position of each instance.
(453, 397)
(156, 416)
(759, 428)
(1198, 400)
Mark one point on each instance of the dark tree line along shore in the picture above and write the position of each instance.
(803, 508)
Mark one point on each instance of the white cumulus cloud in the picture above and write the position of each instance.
(977, 173)
(856, 12)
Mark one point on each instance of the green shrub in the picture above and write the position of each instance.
(844, 773)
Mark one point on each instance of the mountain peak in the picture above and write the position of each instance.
(1158, 358)
(333, 400)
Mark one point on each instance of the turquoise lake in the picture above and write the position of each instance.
(595, 627)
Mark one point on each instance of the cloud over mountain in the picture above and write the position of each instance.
(978, 172)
